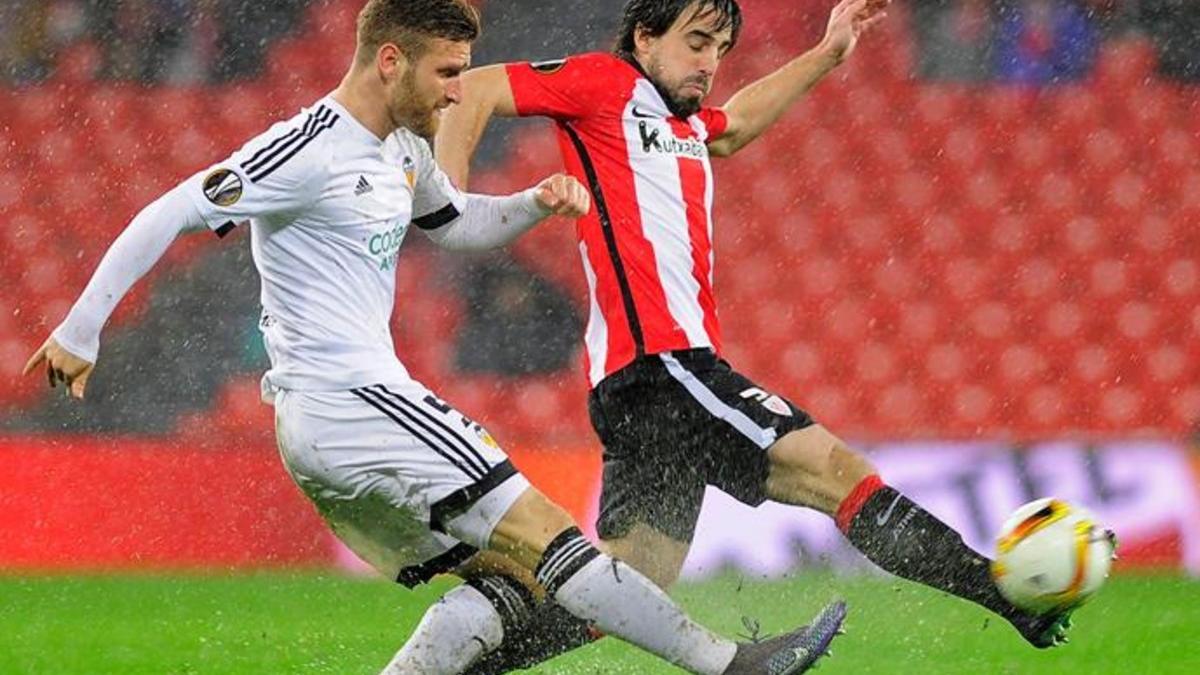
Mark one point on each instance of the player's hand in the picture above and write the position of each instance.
(563, 195)
(849, 20)
(61, 366)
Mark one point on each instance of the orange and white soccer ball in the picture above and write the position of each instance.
(1051, 555)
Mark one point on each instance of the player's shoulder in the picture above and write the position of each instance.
(413, 147)
(302, 144)
(593, 66)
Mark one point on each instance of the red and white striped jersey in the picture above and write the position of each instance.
(646, 245)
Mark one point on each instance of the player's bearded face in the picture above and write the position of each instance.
(430, 84)
(683, 61)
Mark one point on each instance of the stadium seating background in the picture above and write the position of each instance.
(904, 259)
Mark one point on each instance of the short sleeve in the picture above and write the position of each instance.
(436, 201)
(715, 122)
(564, 89)
(276, 173)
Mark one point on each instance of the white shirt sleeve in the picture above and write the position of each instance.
(132, 255)
(489, 222)
(271, 176)
(468, 222)
(277, 174)
(436, 200)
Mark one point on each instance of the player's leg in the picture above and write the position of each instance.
(551, 630)
(498, 600)
(373, 466)
(501, 512)
(812, 467)
(651, 492)
(622, 602)
(766, 448)
(602, 590)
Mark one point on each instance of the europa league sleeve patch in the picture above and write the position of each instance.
(223, 187)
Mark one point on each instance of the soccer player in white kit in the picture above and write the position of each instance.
(409, 483)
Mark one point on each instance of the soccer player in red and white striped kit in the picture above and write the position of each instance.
(673, 416)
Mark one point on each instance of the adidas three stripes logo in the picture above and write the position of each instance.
(279, 151)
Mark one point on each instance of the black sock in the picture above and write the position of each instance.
(549, 632)
(513, 602)
(906, 540)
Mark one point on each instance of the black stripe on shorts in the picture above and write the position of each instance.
(420, 410)
(406, 422)
(418, 574)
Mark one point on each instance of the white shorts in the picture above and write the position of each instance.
(410, 484)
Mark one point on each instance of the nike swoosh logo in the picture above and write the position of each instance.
(639, 113)
(884, 517)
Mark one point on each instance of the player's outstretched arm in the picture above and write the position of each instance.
(488, 222)
(69, 354)
(486, 92)
(758, 105)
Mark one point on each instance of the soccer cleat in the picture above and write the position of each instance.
(1047, 630)
(790, 653)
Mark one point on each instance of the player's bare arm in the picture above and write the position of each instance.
(486, 92)
(757, 106)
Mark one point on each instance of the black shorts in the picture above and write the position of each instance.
(672, 424)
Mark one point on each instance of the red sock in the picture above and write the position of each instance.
(854, 501)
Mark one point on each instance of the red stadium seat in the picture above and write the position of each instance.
(1047, 408)
(1128, 194)
(1022, 365)
(982, 194)
(1120, 407)
(1137, 320)
(900, 408)
(1093, 364)
(1170, 364)
(875, 363)
(1105, 153)
(973, 405)
(967, 280)
(1072, 113)
(108, 107)
(1125, 65)
(991, 321)
(947, 362)
(1059, 196)
(1038, 279)
(1181, 279)
(799, 362)
(1003, 108)
(1108, 277)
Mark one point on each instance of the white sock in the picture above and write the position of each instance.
(455, 631)
(625, 604)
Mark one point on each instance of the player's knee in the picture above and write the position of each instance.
(812, 467)
(530, 524)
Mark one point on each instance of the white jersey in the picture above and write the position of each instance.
(328, 204)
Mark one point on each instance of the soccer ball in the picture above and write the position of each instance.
(1051, 556)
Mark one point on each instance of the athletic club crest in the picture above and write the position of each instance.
(410, 172)
(777, 406)
(769, 401)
